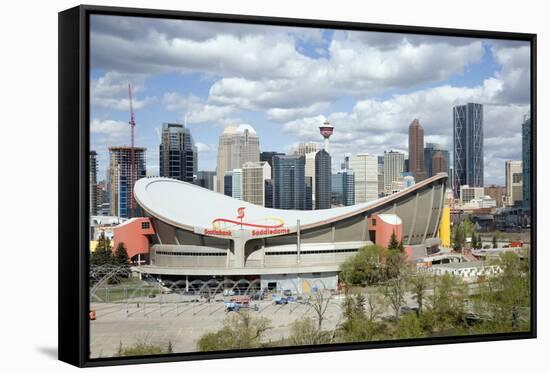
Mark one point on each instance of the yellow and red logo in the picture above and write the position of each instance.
(266, 226)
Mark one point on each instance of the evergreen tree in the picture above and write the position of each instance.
(458, 239)
(394, 244)
(474, 241)
(495, 245)
(121, 256)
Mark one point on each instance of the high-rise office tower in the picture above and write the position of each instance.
(526, 164)
(289, 186)
(365, 168)
(514, 182)
(93, 183)
(308, 204)
(429, 150)
(310, 172)
(393, 170)
(254, 176)
(468, 145)
(177, 153)
(438, 163)
(268, 157)
(323, 179)
(237, 183)
(237, 145)
(120, 178)
(343, 188)
(205, 179)
(416, 150)
(307, 147)
(228, 183)
(268, 185)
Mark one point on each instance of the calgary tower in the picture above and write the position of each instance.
(326, 130)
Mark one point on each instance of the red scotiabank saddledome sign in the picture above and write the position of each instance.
(225, 226)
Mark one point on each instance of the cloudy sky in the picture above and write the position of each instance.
(286, 81)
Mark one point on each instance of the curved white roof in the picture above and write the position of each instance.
(190, 206)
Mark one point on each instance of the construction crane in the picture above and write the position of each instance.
(132, 152)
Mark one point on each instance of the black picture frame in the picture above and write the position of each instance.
(73, 165)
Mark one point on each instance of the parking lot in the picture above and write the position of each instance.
(184, 322)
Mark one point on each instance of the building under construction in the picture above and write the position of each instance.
(122, 176)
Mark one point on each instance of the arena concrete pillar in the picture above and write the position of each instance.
(239, 243)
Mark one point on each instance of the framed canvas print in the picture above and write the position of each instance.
(238, 186)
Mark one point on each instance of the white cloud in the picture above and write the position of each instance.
(194, 110)
(110, 130)
(110, 91)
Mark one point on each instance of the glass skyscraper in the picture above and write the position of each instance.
(177, 153)
(323, 180)
(289, 187)
(468, 145)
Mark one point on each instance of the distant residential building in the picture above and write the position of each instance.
(121, 178)
(307, 147)
(416, 150)
(497, 193)
(323, 180)
(178, 157)
(467, 193)
(393, 171)
(514, 182)
(468, 144)
(93, 184)
(526, 164)
(254, 176)
(237, 145)
(289, 185)
(205, 179)
(483, 202)
(365, 168)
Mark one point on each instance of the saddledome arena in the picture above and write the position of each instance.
(194, 233)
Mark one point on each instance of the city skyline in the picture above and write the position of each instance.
(286, 93)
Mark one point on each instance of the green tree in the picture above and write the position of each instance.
(319, 304)
(365, 267)
(357, 326)
(394, 243)
(241, 330)
(395, 263)
(419, 286)
(102, 254)
(458, 239)
(495, 245)
(447, 302)
(474, 241)
(394, 292)
(305, 332)
(409, 326)
(140, 348)
(121, 256)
